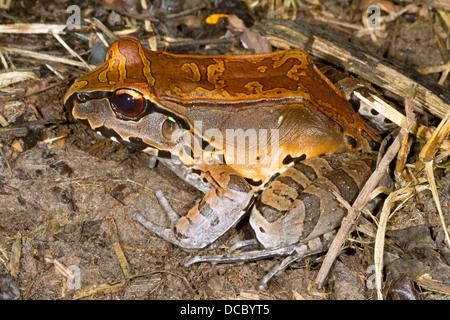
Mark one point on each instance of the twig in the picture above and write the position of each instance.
(97, 23)
(352, 215)
(338, 22)
(73, 53)
(186, 12)
(42, 56)
(32, 28)
(359, 203)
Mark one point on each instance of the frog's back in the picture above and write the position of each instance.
(227, 84)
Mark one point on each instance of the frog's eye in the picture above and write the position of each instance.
(170, 129)
(128, 103)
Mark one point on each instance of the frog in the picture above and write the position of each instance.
(265, 136)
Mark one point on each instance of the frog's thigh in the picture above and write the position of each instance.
(299, 205)
(220, 209)
(275, 213)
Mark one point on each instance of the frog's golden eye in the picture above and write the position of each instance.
(128, 103)
(170, 129)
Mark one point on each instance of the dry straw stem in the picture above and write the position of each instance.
(427, 154)
(5, 4)
(43, 57)
(16, 253)
(73, 53)
(9, 78)
(384, 108)
(38, 28)
(33, 28)
(98, 24)
(432, 181)
(122, 259)
(104, 288)
(401, 194)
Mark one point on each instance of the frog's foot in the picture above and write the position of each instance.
(218, 211)
(292, 253)
(167, 233)
(242, 257)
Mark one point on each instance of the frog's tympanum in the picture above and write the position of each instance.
(265, 134)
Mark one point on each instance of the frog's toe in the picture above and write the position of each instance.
(164, 203)
(252, 243)
(242, 257)
(159, 230)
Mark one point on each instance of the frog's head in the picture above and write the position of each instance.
(117, 100)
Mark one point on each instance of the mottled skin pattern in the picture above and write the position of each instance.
(282, 93)
(299, 205)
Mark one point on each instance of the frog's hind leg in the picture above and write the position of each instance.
(298, 213)
(291, 253)
(300, 204)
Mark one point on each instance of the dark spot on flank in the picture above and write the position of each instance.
(253, 182)
(215, 222)
(351, 141)
(299, 159)
(164, 154)
(355, 101)
(288, 159)
(269, 213)
(372, 143)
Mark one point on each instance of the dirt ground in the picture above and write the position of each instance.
(69, 203)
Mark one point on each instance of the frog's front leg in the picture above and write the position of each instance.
(219, 210)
